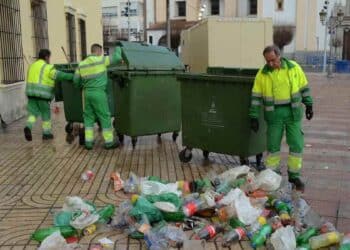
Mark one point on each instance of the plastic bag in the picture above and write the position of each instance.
(62, 219)
(175, 235)
(166, 197)
(53, 242)
(143, 206)
(75, 203)
(165, 206)
(269, 180)
(81, 220)
(229, 198)
(234, 173)
(157, 188)
(245, 211)
(284, 239)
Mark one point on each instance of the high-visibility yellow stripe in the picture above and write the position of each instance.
(294, 162)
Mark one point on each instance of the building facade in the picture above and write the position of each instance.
(66, 27)
(116, 20)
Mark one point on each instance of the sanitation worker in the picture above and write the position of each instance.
(40, 91)
(91, 76)
(281, 87)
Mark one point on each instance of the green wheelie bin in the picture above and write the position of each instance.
(73, 102)
(147, 93)
(215, 118)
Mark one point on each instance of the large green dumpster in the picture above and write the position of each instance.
(215, 117)
(72, 98)
(147, 94)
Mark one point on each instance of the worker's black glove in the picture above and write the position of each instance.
(309, 113)
(254, 124)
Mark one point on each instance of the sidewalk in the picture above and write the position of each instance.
(36, 177)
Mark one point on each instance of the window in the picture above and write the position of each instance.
(40, 33)
(71, 42)
(150, 39)
(279, 5)
(253, 7)
(11, 52)
(109, 11)
(132, 10)
(215, 7)
(82, 29)
(181, 8)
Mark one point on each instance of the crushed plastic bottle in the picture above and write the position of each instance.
(233, 236)
(175, 235)
(256, 226)
(75, 203)
(324, 240)
(121, 217)
(132, 184)
(283, 210)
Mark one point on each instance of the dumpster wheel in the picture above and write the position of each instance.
(175, 135)
(121, 138)
(185, 155)
(244, 160)
(69, 128)
(69, 138)
(81, 136)
(206, 154)
(133, 142)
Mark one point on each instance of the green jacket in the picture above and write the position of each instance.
(41, 79)
(267, 92)
(92, 72)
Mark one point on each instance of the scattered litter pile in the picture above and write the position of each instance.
(237, 205)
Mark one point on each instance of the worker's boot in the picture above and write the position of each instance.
(28, 134)
(47, 137)
(295, 179)
(112, 145)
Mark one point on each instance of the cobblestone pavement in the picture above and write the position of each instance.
(36, 177)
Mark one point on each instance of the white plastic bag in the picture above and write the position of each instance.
(157, 188)
(53, 242)
(233, 173)
(269, 180)
(229, 198)
(284, 239)
(75, 203)
(245, 211)
(84, 220)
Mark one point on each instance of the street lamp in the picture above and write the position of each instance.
(331, 24)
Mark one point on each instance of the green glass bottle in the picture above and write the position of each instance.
(40, 234)
(235, 222)
(106, 213)
(259, 238)
(173, 217)
(304, 237)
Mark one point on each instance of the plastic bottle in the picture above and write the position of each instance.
(40, 234)
(259, 193)
(120, 220)
(304, 237)
(175, 235)
(224, 187)
(233, 236)
(256, 226)
(106, 213)
(327, 228)
(131, 185)
(226, 213)
(184, 186)
(260, 237)
(88, 175)
(209, 232)
(283, 210)
(194, 206)
(275, 222)
(345, 243)
(324, 240)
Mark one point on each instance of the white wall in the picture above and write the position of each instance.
(156, 34)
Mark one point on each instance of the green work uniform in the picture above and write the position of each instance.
(40, 91)
(91, 75)
(281, 92)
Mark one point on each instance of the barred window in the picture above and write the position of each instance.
(82, 31)
(11, 52)
(71, 37)
(40, 31)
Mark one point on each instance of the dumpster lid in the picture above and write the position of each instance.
(148, 57)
